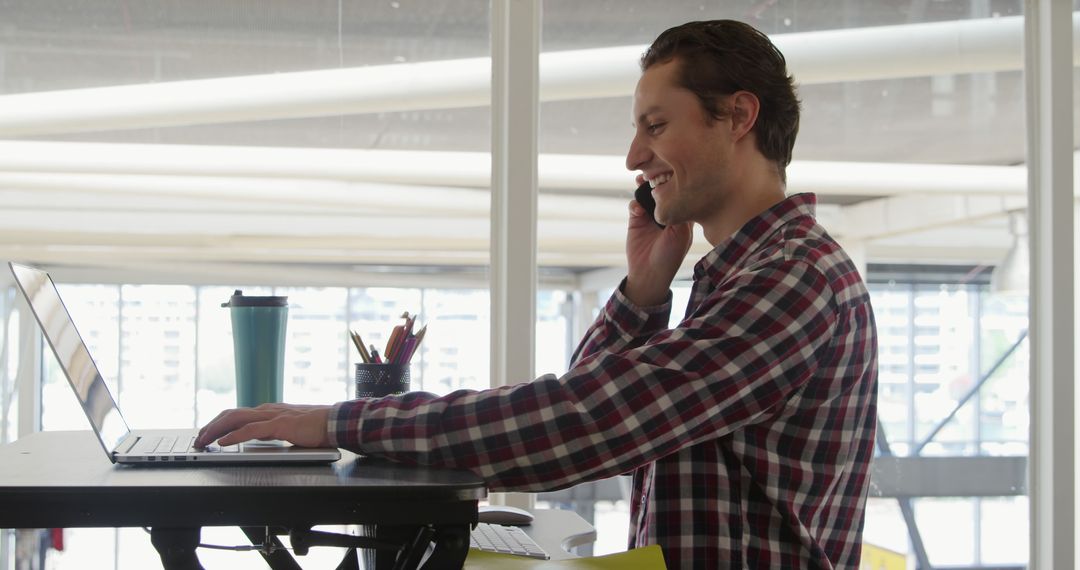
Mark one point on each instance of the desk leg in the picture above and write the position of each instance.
(176, 546)
(280, 559)
(386, 559)
(451, 547)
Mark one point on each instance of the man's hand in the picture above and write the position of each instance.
(653, 255)
(303, 425)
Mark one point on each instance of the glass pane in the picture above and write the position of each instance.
(157, 362)
(316, 346)
(1005, 531)
(943, 368)
(83, 545)
(948, 530)
(457, 347)
(553, 328)
(1004, 417)
(892, 305)
(134, 551)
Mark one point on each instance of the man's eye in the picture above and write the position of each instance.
(655, 128)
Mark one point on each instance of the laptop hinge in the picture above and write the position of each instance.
(126, 444)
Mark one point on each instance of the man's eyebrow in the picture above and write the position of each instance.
(645, 114)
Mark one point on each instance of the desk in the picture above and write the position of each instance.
(63, 479)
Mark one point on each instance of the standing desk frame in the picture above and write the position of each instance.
(62, 480)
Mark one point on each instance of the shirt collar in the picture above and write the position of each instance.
(753, 235)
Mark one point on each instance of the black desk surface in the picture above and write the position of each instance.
(64, 479)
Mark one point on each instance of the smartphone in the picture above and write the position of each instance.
(643, 195)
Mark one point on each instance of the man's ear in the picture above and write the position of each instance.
(744, 113)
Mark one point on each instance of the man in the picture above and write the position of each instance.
(749, 427)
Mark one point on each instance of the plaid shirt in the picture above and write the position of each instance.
(748, 428)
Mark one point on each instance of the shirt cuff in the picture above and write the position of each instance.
(636, 320)
(344, 424)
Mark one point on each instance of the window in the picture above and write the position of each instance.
(951, 405)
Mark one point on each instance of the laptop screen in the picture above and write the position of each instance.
(67, 344)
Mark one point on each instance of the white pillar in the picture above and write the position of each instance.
(1049, 99)
(515, 103)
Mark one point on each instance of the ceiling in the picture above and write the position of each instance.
(274, 213)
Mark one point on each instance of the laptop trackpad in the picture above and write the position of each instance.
(268, 445)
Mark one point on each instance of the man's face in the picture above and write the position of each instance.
(678, 147)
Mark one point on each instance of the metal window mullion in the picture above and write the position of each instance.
(423, 303)
(5, 380)
(119, 341)
(975, 306)
(348, 335)
(195, 380)
(1049, 100)
(29, 372)
(913, 423)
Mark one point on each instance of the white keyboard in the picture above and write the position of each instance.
(505, 540)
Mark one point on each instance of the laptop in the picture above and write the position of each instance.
(121, 443)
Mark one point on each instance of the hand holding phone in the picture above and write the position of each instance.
(643, 195)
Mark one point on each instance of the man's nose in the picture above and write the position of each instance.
(638, 154)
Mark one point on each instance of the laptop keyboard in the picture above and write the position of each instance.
(505, 540)
(170, 445)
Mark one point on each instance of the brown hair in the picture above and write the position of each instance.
(720, 57)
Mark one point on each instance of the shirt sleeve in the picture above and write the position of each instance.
(750, 345)
(622, 325)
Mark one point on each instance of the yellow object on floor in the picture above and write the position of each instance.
(645, 558)
(877, 558)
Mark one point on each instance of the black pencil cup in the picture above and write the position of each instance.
(378, 380)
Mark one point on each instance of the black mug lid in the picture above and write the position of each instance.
(239, 300)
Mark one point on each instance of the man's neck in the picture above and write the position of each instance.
(749, 200)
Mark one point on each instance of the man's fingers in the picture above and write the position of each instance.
(300, 424)
(254, 430)
(228, 421)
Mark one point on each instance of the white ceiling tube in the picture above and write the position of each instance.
(889, 179)
(414, 256)
(286, 232)
(126, 193)
(963, 46)
(905, 215)
(599, 174)
(401, 87)
(469, 169)
(149, 271)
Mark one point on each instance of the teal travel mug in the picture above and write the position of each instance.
(258, 325)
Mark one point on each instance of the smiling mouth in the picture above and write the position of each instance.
(659, 179)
